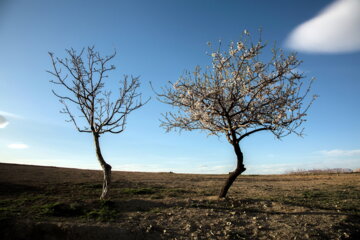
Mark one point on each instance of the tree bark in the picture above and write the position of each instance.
(106, 168)
(240, 168)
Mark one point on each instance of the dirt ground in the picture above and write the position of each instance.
(58, 203)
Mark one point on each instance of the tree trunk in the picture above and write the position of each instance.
(106, 168)
(240, 168)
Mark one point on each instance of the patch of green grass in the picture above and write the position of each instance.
(6, 212)
(20, 200)
(99, 210)
(59, 209)
(177, 192)
(157, 196)
(91, 186)
(343, 198)
(156, 192)
(105, 212)
(7, 202)
(44, 206)
(139, 191)
(24, 204)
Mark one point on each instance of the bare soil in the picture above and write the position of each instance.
(60, 203)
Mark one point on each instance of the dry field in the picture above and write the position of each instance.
(58, 203)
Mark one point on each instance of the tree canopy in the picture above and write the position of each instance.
(240, 94)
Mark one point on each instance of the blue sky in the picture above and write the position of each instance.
(159, 40)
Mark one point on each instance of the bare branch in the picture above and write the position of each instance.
(84, 83)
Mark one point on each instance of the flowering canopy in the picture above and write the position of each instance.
(239, 94)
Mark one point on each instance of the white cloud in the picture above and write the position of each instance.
(341, 153)
(271, 168)
(18, 146)
(139, 167)
(335, 29)
(218, 169)
(3, 118)
(3, 122)
(11, 115)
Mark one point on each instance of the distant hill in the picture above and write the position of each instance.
(319, 171)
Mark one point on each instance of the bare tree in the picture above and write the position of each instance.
(96, 111)
(239, 95)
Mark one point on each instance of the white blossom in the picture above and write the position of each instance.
(240, 88)
(240, 45)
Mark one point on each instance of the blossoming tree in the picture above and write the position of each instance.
(94, 109)
(239, 95)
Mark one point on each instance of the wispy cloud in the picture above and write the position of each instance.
(4, 118)
(334, 30)
(341, 153)
(10, 115)
(271, 168)
(138, 167)
(218, 169)
(3, 122)
(18, 146)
